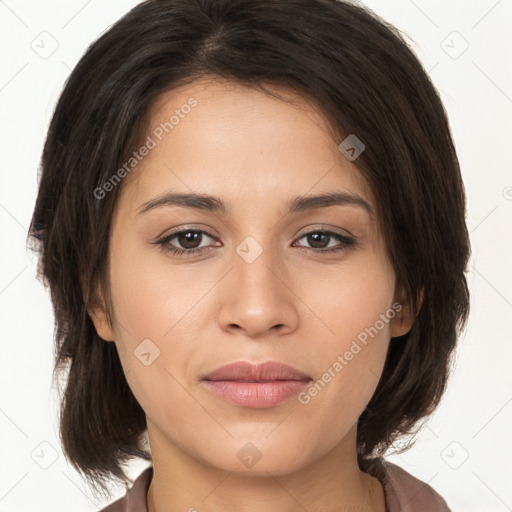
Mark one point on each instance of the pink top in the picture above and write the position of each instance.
(403, 492)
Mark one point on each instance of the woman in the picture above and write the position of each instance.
(252, 222)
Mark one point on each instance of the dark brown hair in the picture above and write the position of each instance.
(367, 81)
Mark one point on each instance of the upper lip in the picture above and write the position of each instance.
(262, 372)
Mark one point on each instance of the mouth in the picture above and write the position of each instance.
(255, 386)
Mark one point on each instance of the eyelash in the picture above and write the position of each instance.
(347, 242)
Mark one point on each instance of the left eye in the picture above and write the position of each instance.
(190, 242)
(188, 239)
(319, 237)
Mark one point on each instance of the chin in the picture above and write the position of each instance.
(254, 458)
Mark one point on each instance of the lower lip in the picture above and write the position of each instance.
(256, 395)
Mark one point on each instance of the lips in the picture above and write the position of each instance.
(255, 386)
(264, 372)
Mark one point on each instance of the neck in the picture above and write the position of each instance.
(333, 482)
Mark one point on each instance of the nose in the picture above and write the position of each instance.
(257, 297)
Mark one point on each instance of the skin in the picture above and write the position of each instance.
(294, 304)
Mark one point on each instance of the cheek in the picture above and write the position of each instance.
(156, 315)
(350, 355)
(351, 301)
(149, 298)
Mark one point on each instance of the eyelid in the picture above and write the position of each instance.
(325, 228)
(174, 231)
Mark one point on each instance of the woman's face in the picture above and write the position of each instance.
(266, 277)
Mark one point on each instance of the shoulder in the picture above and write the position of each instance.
(404, 492)
(135, 499)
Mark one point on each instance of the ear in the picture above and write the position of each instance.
(404, 318)
(98, 314)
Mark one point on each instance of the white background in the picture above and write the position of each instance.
(465, 450)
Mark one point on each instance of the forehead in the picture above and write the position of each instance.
(230, 140)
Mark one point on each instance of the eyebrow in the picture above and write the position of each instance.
(206, 202)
